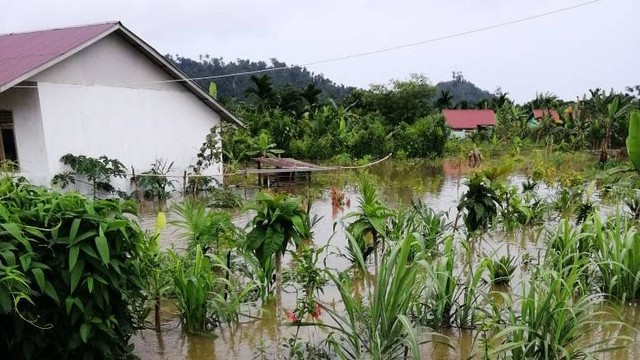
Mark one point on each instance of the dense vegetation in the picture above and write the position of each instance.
(71, 275)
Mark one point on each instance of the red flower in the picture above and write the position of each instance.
(291, 316)
(317, 312)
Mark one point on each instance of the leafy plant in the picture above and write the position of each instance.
(264, 147)
(381, 329)
(193, 283)
(96, 172)
(81, 261)
(209, 154)
(548, 322)
(479, 203)
(212, 231)
(633, 139)
(279, 221)
(155, 184)
(501, 270)
(368, 226)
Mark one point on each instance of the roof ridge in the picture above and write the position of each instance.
(114, 23)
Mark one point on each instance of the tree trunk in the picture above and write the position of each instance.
(156, 307)
(278, 302)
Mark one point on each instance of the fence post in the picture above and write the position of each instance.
(184, 183)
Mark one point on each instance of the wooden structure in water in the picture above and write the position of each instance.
(279, 171)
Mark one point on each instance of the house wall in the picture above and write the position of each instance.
(32, 155)
(460, 134)
(101, 102)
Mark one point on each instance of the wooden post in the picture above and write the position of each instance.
(184, 183)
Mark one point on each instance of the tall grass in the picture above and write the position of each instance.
(437, 305)
(194, 282)
(378, 327)
(547, 321)
(617, 255)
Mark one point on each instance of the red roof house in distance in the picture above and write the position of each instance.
(463, 121)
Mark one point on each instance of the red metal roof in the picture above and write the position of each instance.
(21, 53)
(469, 119)
(552, 113)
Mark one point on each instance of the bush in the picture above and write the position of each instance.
(78, 275)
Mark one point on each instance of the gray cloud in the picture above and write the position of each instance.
(565, 53)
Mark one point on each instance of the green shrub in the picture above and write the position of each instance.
(77, 271)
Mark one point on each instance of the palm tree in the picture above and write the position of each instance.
(445, 101)
(311, 94)
(263, 91)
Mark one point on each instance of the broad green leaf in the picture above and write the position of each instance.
(14, 230)
(75, 275)
(85, 328)
(90, 284)
(103, 249)
(274, 241)
(633, 139)
(51, 292)
(213, 90)
(39, 275)
(75, 225)
(73, 256)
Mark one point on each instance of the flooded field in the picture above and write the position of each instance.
(439, 185)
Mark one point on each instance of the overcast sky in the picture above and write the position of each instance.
(565, 53)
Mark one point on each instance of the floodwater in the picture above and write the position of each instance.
(439, 185)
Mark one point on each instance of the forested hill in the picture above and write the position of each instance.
(236, 86)
(463, 91)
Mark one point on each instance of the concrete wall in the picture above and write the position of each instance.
(109, 62)
(32, 155)
(102, 101)
(135, 126)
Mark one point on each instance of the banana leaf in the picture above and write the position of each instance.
(633, 139)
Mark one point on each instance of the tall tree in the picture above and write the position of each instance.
(263, 91)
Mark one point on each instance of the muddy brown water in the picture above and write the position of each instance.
(439, 185)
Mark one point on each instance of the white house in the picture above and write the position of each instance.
(98, 90)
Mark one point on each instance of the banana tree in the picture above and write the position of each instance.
(633, 139)
(264, 147)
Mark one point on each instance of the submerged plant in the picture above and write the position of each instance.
(501, 270)
(547, 321)
(479, 203)
(617, 255)
(368, 226)
(155, 184)
(194, 282)
(379, 327)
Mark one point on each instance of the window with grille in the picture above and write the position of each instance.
(8, 148)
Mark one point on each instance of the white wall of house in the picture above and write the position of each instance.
(102, 101)
(32, 153)
(460, 134)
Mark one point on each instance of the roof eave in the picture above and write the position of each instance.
(58, 59)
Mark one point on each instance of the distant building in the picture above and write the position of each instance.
(98, 90)
(538, 115)
(463, 122)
